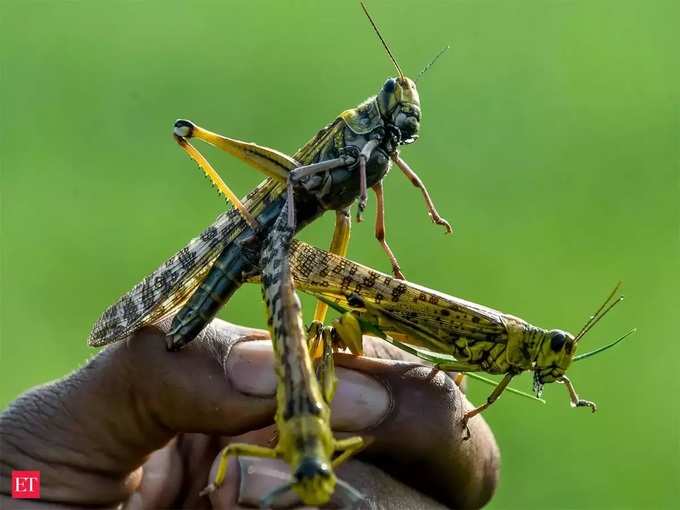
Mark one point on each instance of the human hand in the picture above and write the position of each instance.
(141, 426)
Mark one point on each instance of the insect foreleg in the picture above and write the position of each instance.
(363, 158)
(307, 170)
(418, 183)
(573, 396)
(495, 394)
(380, 230)
(347, 447)
(339, 244)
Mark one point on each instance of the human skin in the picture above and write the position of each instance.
(142, 426)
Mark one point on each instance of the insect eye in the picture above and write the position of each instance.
(557, 341)
(389, 86)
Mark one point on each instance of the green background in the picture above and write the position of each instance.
(550, 141)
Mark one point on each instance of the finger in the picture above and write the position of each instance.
(250, 480)
(377, 348)
(412, 413)
(424, 428)
(361, 402)
(161, 480)
(90, 432)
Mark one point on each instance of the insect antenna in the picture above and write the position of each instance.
(387, 48)
(604, 348)
(427, 67)
(601, 312)
(597, 319)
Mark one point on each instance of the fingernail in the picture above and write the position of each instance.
(260, 477)
(250, 368)
(360, 402)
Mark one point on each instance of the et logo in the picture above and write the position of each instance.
(26, 484)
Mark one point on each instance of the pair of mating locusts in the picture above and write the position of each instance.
(330, 172)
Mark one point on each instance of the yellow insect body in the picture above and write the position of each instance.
(475, 337)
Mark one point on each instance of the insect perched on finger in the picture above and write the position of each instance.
(330, 172)
(452, 333)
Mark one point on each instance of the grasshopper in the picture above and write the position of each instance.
(305, 440)
(329, 172)
(450, 332)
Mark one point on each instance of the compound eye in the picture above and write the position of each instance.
(557, 340)
(390, 85)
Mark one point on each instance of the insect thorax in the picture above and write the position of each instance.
(524, 342)
(339, 188)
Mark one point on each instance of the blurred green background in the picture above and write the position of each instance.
(550, 141)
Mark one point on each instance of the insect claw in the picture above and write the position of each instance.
(586, 403)
(446, 225)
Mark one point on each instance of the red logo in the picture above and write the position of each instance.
(26, 484)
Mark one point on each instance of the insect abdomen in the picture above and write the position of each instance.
(224, 278)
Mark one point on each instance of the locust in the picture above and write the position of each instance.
(329, 173)
(305, 439)
(454, 334)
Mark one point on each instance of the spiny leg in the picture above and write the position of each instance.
(573, 396)
(235, 450)
(490, 400)
(272, 163)
(380, 230)
(339, 245)
(418, 183)
(216, 180)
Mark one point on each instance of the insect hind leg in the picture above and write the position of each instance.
(339, 245)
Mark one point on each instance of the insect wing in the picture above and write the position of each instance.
(168, 287)
(336, 278)
(312, 150)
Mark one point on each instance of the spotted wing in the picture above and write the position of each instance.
(328, 137)
(411, 309)
(166, 289)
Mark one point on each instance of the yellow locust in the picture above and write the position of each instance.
(328, 173)
(453, 333)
